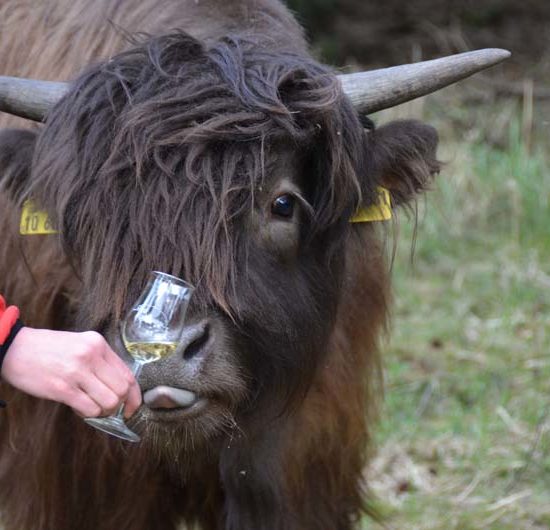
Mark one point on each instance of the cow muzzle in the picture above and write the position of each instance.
(203, 377)
(167, 388)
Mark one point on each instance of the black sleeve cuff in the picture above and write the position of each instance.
(6, 346)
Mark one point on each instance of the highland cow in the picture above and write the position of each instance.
(200, 138)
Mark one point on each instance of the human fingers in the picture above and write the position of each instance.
(101, 394)
(133, 401)
(116, 362)
(83, 405)
(115, 378)
(132, 392)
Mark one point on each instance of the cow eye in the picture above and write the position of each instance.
(283, 206)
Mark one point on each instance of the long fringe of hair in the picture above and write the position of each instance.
(184, 129)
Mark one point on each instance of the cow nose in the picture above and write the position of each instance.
(194, 340)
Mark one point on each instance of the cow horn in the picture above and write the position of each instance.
(368, 91)
(29, 98)
(387, 87)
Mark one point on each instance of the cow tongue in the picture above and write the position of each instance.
(168, 397)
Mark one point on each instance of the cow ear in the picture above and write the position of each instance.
(404, 155)
(16, 152)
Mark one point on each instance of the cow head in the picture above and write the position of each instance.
(238, 170)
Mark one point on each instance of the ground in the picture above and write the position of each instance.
(464, 439)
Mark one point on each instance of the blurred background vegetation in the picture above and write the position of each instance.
(464, 436)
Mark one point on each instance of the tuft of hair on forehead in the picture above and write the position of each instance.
(152, 159)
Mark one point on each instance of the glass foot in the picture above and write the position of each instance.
(113, 426)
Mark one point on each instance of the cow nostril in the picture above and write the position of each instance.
(197, 345)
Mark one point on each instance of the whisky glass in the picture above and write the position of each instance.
(150, 331)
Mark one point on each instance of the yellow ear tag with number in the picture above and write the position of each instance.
(35, 221)
(381, 211)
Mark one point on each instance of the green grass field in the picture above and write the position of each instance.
(464, 438)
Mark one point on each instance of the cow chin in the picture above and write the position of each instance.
(184, 429)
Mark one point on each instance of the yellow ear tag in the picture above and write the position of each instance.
(377, 212)
(34, 221)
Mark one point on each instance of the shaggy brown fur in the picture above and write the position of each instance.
(167, 155)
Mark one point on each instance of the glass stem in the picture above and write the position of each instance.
(136, 370)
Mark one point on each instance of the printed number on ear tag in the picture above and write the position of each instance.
(35, 221)
(381, 211)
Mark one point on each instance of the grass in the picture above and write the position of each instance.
(464, 441)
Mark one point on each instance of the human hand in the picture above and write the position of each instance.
(77, 369)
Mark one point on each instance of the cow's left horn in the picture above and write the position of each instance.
(29, 98)
(381, 89)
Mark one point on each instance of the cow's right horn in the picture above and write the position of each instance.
(29, 98)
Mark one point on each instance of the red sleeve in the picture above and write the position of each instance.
(8, 318)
